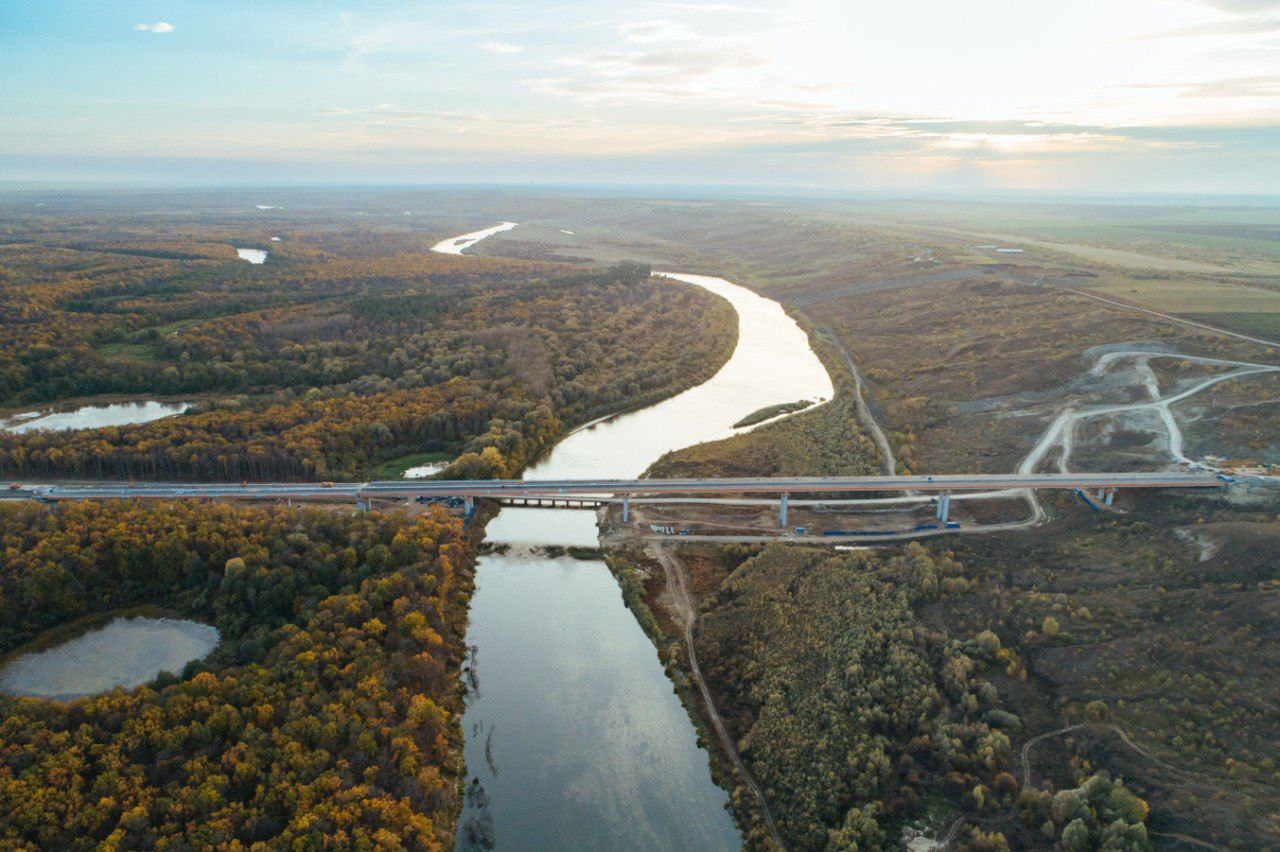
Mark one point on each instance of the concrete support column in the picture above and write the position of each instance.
(782, 509)
(1111, 495)
(944, 506)
(469, 505)
(626, 510)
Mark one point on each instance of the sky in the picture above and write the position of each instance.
(919, 95)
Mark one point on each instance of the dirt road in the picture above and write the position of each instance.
(685, 613)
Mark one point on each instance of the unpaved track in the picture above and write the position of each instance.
(865, 414)
(948, 837)
(687, 615)
(1059, 432)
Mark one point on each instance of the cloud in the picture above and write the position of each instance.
(1232, 26)
(1245, 17)
(710, 8)
(659, 29)
(701, 72)
(1237, 87)
(1261, 86)
(824, 132)
(1243, 7)
(499, 47)
(157, 27)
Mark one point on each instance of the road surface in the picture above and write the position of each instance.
(568, 488)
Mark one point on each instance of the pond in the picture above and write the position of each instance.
(93, 416)
(127, 652)
(422, 471)
(252, 255)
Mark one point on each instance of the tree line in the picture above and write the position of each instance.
(850, 712)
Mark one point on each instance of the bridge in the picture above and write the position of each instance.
(937, 488)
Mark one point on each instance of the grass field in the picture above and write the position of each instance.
(395, 468)
(1189, 295)
(1259, 324)
(1235, 307)
(132, 351)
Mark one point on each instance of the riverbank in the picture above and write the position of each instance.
(654, 588)
(573, 728)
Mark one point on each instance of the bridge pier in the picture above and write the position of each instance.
(782, 509)
(626, 510)
(469, 505)
(944, 506)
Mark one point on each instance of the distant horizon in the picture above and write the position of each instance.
(673, 191)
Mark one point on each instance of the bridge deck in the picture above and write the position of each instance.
(506, 488)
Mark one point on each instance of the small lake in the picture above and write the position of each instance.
(422, 471)
(93, 416)
(252, 255)
(125, 652)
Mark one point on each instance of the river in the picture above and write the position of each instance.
(575, 737)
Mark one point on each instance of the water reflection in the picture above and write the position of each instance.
(93, 416)
(456, 245)
(772, 364)
(126, 652)
(577, 739)
(422, 471)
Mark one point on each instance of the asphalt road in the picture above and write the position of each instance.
(498, 488)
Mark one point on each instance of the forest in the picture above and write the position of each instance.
(331, 362)
(856, 718)
(326, 718)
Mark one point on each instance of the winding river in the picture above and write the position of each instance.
(575, 737)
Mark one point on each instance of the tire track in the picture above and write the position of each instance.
(686, 614)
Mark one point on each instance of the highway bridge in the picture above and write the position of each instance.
(618, 490)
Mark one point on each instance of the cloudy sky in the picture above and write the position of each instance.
(1122, 95)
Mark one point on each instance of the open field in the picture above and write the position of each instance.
(1247, 309)
(1190, 296)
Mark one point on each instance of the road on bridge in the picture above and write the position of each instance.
(516, 488)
